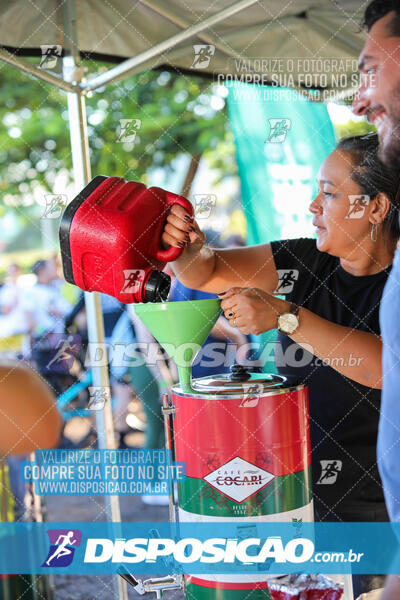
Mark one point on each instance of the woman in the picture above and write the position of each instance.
(337, 282)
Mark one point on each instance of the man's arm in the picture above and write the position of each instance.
(29, 418)
(392, 588)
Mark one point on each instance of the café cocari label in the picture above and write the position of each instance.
(239, 479)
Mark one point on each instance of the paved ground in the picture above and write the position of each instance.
(92, 509)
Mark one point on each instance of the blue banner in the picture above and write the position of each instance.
(215, 547)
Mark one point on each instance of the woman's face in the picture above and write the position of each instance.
(340, 210)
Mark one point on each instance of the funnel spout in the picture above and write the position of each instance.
(181, 328)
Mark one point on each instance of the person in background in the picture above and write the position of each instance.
(213, 357)
(29, 420)
(111, 309)
(14, 344)
(76, 320)
(9, 292)
(44, 306)
(45, 310)
(147, 381)
(68, 291)
(379, 100)
(13, 321)
(29, 417)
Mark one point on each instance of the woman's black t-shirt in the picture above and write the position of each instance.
(344, 414)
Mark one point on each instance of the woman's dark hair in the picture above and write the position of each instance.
(373, 177)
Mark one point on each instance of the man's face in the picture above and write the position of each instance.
(379, 95)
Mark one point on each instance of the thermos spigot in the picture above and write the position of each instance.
(158, 585)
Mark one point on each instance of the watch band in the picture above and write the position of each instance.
(294, 309)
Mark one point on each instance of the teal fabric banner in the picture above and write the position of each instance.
(281, 140)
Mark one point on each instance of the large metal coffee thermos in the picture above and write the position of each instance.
(244, 438)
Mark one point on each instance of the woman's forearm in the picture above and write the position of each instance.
(215, 270)
(195, 270)
(356, 354)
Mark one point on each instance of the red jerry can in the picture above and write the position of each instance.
(110, 239)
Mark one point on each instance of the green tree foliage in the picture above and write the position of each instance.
(178, 114)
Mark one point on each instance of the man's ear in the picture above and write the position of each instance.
(379, 208)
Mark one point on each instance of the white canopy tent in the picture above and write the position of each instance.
(154, 33)
(148, 34)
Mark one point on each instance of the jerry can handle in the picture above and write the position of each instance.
(172, 253)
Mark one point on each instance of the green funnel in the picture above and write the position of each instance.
(181, 328)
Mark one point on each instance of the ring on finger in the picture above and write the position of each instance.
(234, 323)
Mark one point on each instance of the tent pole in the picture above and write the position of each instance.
(164, 11)
(95, 323)
(27, 67)
(128, 66)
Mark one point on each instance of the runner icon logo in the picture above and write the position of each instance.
(278, 130)
(55, 204)
(202, 55)
(98, 397)
(62, 547)
(252, 393)
(50, 55)
(287, 279)
(330, 470)
(133, 280)
(128, 129)
(204, 204)
(358, 204)
(63, 351)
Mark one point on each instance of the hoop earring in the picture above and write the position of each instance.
(374, 232)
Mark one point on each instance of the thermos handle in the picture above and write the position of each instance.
(173, 253)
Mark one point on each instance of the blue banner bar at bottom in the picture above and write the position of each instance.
(215, 548)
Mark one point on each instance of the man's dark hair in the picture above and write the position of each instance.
(377, 9)
(373, 177)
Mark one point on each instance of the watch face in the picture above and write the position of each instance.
(288, 322)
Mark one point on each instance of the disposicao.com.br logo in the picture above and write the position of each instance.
(222, 548)
(193, 550)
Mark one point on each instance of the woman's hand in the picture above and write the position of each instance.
(182, 231)
(252, 310)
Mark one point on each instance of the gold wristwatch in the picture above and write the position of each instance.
(288, 322)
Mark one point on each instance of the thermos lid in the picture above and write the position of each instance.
(241, 382)
(228, 383)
